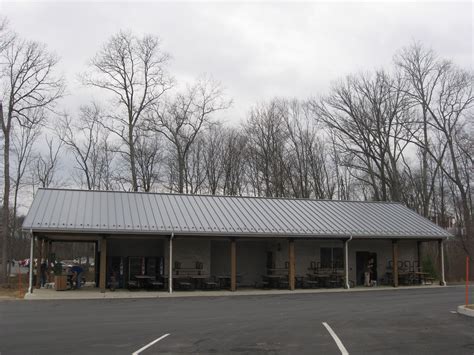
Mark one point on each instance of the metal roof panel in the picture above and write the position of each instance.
(137, 212)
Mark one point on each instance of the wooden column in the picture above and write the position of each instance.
(233, 265)
(49, 247)
(103, 265)
(291, 264)
(395, 263)
(48, 251)
(40, 245)
(442, 281)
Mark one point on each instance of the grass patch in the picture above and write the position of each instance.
(10, 291)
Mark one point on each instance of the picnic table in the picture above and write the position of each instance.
(423, 277)
(274, 280)
(188, 280)
(224, 280)
(141, 279)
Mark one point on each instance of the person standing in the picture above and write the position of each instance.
(77, 272)
(43, 274)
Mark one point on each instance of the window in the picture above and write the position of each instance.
(332, 258)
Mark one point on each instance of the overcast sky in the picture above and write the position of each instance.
(257, 50)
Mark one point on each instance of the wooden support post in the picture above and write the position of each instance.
(96, 263)
(395, 263)
(418, 253)
(40, 245)
(47, 259)
(233, 265)
(442, 281)
(103, 265)
(291, 266)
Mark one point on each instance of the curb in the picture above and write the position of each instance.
(466, 311)
(36, 296)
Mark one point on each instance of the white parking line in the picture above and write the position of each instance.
(336, 339)
(150, 344)
(453, 312)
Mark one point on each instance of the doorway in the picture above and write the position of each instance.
(270, 260)
(366, 261)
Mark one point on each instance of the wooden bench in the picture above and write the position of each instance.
(310, 283)
(156, 284)
(210, 284)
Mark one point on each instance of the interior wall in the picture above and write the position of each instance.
(220, 257)
(135, 247)
(251, 261)
(407, 250)
(188, 251)
(252, 255)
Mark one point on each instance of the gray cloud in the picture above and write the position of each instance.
(257, 50)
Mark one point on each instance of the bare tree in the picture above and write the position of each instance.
(23, 139)
(422, 70)
(149, 153)
(181, 119)
(45, 166)
(445, 96)
(450, 117)
(27, 74)
(133, 71)
(267, 133)
(195, 177)
(369, 116)
(309, 171)
(213, 157)
(88, 142)
(234, 162)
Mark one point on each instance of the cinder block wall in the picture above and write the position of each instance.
(251, 260)
(220, 257)
(251, 255)
(189, 250)
(406, 251)
(307, 251)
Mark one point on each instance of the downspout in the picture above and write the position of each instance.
(30, 278)
(346, 263)
(170, 266)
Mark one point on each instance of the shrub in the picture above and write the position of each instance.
(429, 267)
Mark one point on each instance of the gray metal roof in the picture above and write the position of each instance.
(106, 212)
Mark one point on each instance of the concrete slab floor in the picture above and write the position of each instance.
(94, 293)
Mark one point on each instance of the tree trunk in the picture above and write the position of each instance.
(424, 169)
(6, 203)
(133, 169)
(181, 171)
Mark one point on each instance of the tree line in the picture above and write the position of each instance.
(401, 133)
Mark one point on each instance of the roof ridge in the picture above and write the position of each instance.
(224, 196)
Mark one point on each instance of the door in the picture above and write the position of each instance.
(270, 260)
(365, 262)
(362, 260)
(116, 269)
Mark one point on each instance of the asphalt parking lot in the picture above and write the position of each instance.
(378, 322)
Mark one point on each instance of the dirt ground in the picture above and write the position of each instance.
(12, 290)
